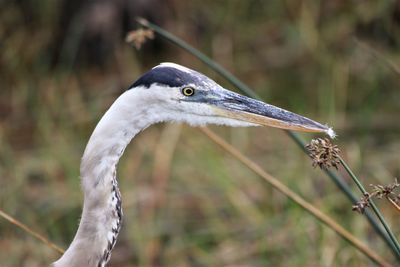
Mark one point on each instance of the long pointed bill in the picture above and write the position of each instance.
(232, 105)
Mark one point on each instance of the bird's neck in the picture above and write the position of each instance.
(102, 213)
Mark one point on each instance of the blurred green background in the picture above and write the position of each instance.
(186, 202)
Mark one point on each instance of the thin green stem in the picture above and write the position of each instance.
(338, 181)
(374, 207)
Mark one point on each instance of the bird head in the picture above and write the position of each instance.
(184, 95)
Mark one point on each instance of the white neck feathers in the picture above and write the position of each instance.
(102, 214)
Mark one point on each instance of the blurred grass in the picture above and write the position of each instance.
(300, 55)
(388, 237)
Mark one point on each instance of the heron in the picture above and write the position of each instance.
(166, 93)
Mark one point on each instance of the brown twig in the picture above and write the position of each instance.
(31, 232)
(325, 219)
(394, 203)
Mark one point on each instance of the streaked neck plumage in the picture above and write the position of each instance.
(102, 214)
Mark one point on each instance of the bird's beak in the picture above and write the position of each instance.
(235, 106)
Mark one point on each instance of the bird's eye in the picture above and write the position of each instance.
(188, 91)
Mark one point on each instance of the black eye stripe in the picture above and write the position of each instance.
(188, 91)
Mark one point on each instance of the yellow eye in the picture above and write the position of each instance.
(188, 91)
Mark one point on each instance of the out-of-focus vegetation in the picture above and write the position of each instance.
(63, 62)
